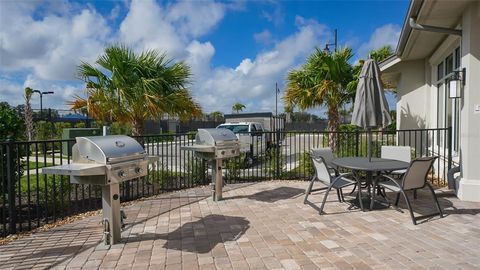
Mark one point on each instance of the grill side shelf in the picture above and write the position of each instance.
(76, 169)
(199, 148)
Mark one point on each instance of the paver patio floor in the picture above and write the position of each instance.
(264, 225)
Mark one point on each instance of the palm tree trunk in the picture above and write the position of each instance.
(29, 119)
(137, 127)
(333, 125)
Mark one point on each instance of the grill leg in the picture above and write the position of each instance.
(111, 210)
(217, 179)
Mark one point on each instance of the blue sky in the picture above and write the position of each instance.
(237, 50)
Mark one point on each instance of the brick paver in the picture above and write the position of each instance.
(263, 225)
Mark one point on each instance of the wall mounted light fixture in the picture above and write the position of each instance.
(456, 83)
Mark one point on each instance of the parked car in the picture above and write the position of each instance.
(269, 122)
(253, 140)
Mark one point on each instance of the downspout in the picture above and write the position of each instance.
(421, 27)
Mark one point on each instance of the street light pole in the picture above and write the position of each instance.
(326, 49)
(276, 99)
(41, 93)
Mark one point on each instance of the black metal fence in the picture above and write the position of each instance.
(29, 199)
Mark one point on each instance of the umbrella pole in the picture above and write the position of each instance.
(369, 145)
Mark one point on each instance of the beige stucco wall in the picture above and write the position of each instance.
(413, 97)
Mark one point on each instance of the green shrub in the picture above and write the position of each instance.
(191, 135)
(12, 128)
(80, 125)
(273, 158)
(197, 170)
(12, 125)
(58, 129)
(54, 191)
(117, 128)
(304, 168)
(234, 166)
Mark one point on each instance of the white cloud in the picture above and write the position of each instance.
(276, 15)
(264, 37)
(199, 57)
(51, 46)
(45, 51)
(11, 91)
(385, 35)
(195, 18)
(169, 28)
(63, 92)
(144, 27)
(252, 82)
(43, 44)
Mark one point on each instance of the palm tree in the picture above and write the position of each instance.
(381, 53)
(130, 88)
(216, 116)
(238, 107)
(321, 81)
(29, 113)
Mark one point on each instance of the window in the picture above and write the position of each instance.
(440, 71)
(457, 58)
(448, 109)
(449, 64)
(236, 128)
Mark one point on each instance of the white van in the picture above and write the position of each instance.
(252, 138)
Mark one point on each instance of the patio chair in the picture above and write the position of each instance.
(336, 181)
(327, 155)
(396, 152)
(414, 178)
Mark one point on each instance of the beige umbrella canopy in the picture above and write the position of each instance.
(370, 109)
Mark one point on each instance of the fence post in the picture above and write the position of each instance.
(449, 130)
(277, 154)
(11, 189)
(357, 141)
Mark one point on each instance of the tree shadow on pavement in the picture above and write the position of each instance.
(200, 236)
(273, 195)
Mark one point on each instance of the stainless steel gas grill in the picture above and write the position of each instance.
(215, 145)
(106, 161)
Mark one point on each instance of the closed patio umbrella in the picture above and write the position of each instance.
(370, 109)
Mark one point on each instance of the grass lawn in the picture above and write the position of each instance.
(32, 164)
(41, 181)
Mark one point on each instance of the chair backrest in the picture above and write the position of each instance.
(396, 152)
(417, 172)
(321, 170)
(326, 153)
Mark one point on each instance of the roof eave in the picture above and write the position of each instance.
(413, 10)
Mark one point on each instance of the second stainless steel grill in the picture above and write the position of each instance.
(215, 145)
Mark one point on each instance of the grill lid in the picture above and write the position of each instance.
(108, 149)
(214, 136)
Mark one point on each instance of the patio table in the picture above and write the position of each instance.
(357, 164)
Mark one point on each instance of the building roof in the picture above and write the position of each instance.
(414, 44)
(246, 115)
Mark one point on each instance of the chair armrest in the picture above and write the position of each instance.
(342, 181)
(337, 173)
(345, 175)
(386, 176)
(391, 179)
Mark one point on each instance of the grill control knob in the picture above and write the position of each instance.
(223, 152)
(138, 170)
(122, 173)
